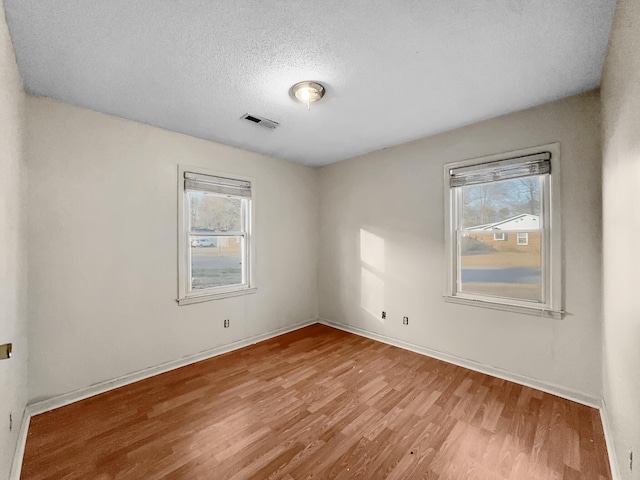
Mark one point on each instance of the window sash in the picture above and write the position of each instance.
(457, 233)
(244, 283)
(245, 216)
(544, 283)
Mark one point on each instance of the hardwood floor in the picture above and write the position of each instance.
(319, 403)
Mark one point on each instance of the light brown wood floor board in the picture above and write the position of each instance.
(319, 403)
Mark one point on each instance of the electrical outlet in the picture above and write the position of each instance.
(384, 315)
(405, 320)
(226, 323)
(10, 421)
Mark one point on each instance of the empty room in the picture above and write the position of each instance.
(291, 240)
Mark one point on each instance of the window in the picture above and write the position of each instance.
(489, 198)
(523, 238)
(215, 236)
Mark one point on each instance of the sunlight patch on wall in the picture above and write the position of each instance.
(372, 250)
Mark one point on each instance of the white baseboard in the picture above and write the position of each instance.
(608, 436)
(82, 393)
(553, 389)
(18, 454)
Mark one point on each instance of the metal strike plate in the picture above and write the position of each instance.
(5, 351)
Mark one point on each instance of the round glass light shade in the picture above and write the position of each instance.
(307, 92)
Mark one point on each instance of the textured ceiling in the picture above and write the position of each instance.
(394, 70)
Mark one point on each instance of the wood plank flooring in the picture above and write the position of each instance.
(324, 404)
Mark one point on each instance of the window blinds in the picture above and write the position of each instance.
(221, 185)
(525, 166)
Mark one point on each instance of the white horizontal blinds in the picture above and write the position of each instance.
(221, 185)
(508, 169)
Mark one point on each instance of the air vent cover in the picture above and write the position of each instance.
(263, 122)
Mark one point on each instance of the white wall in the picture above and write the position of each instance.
(103, 255)
(392, 201)
(13, 269)
(621, 231)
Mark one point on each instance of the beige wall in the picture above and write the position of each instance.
(103, 255)
(13, 318)
(381, 247)
(621, 230)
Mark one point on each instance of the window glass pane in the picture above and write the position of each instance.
(211, 213)
(501, 240)
(215, 261)
(501, 269)
(490, 203)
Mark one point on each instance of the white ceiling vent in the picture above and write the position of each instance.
(263, 122)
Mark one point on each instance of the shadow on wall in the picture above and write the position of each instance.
(371, 274)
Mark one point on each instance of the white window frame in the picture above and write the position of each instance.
(186, 295)
(523, 242)
(552, 306)
(499, 237)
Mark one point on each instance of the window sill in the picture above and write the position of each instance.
(532, 310)
(215, 296)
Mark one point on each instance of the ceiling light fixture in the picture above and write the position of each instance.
(307, 92)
